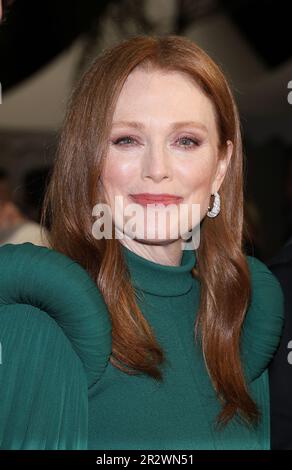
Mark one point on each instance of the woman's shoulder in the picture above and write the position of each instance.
(55, 342)
(264, 283)
(40, 286)
(264, 320)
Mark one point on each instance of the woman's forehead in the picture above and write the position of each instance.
(162, 98)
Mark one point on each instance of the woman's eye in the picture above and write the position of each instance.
(194, 142)
(121, 139)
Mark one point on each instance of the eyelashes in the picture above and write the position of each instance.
(194, 142)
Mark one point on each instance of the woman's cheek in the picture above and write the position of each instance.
(119, 172)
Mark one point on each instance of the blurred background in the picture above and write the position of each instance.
(46, 45)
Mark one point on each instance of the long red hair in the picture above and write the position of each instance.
(76, 186)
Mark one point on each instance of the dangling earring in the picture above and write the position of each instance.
(216, 206)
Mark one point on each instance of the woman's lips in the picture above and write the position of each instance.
(164, 199)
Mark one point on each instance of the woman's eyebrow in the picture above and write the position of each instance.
(173, 125)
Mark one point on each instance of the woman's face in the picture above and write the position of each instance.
(161, 153)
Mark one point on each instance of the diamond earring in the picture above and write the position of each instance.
(216, 206)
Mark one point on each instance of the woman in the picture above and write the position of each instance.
(172, 342)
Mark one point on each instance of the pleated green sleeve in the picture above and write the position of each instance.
(55, 343)
(263, 324)
(43, 386)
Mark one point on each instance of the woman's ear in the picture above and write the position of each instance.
(222, 166)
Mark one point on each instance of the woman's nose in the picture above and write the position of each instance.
(156, 164)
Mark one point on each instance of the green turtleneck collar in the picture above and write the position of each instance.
(159, 279)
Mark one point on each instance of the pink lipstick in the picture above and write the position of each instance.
(147, 198)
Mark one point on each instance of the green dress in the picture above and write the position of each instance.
(58, 389)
